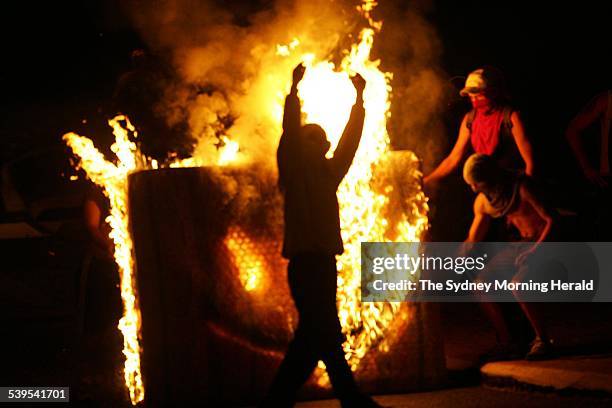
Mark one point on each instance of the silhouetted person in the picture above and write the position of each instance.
(597, 172)
(599, 109)
(103, 301)
(95, 210)
(502, 193)
(308, 182)
(492, 127)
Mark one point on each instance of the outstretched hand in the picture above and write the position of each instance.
(359, 83)
(298, 73)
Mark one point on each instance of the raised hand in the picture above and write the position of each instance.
(359, 83)
(298, 73)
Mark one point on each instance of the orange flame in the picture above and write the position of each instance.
(327, 95)
(113, 178)
(247, 260)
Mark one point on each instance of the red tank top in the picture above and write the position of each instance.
(485, 130)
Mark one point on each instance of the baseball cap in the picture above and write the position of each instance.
(475, 83)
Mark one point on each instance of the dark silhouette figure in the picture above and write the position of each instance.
(95, 210)
(599, 109)
(99, 294)
(596, 172)
(308, 182)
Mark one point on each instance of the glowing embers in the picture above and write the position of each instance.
(246, 258)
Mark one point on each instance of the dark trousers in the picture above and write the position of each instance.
(312, 280)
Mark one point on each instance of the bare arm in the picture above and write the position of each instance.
(522, 142)
(482, 220)
(291, 125)
(349, 142)
(451, 162)
(591, 113)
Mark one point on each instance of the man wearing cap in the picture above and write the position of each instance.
(492, 127)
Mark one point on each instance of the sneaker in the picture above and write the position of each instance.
(540, 350)
(502, 352)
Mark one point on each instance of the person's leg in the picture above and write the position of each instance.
(495, 315)
(301, 358)
(500, 266)
(312, 280)
(331, 338)
(531, 310)
(535, 318)
(296, 367)
(541, 346)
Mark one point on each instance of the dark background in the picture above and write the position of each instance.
(61, 61)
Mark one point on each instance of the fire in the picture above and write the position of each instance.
(285, 50)
(229, 152)
(113, 178)
(245, 257)
(327, 96)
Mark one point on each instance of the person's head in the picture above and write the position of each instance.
(482, 173)
(138, 57)
(486, 88)
(315, 141)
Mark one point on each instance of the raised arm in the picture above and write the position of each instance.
(522, 142)
(591, 113)
(347, 146)
(288, 147)
(291, 117)
(451, 162)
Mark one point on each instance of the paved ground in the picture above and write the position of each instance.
(476, 397)
(576, 329)
(579, 374)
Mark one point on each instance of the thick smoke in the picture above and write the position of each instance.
(231, 80)
(408, 47)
